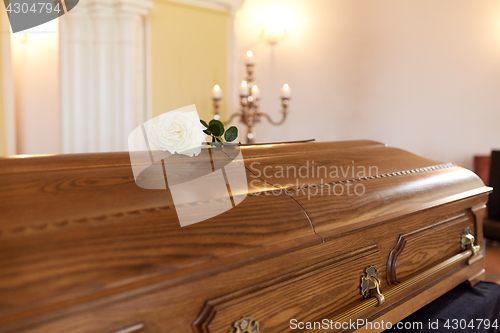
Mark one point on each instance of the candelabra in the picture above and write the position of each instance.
(249, 94)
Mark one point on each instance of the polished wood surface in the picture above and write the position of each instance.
(84, 249)
(308, 293)
(425, 247)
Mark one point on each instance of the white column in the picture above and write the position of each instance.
(103, 80)
(132, 98)
(104, 89)
(77, 114)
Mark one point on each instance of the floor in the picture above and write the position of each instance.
(492, 259)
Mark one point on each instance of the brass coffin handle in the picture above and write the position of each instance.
(468, 241)
(370, 285)
(399, 291)
(246, 325)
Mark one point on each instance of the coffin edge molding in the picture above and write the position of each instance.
(78, 222)
(290, 191)
(115, 217)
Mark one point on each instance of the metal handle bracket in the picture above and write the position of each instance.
(246, 325)
(370, 285)
(467, 242)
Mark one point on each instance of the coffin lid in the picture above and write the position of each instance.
(78, 226)
(343, 185)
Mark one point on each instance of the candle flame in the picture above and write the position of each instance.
(244, 84)
(216, 87)
(255, 88)
(286, 87)
(249, 53)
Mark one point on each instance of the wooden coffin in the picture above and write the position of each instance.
(83, 248)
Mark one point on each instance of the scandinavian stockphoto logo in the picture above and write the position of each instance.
(205, 179)
(26, 14)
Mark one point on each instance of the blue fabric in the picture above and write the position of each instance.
(463, 309)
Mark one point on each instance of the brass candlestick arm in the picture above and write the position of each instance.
(249, 113)
(234, 115)
(284, 102)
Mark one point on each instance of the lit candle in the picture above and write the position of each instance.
(286, 92)
(216, 93)
(255, 92)
(249, 59)
(244, 91)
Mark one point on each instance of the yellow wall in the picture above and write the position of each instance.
(3, 148)
(189, 56)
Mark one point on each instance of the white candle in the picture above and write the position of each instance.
(286, 92)
(244, 91)
(249, 58)
(216, 93)
(255, 92)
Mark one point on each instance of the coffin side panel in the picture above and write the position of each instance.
(425, 247)
(303, 295)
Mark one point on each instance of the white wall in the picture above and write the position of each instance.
(422, 75)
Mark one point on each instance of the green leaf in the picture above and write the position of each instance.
(231, 134)
(207, 132)
(204, 123)
(216, 127)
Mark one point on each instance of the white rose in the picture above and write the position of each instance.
(177, 132)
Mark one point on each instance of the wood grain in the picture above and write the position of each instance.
(424, 247)
(84, 249)
(302, 295)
